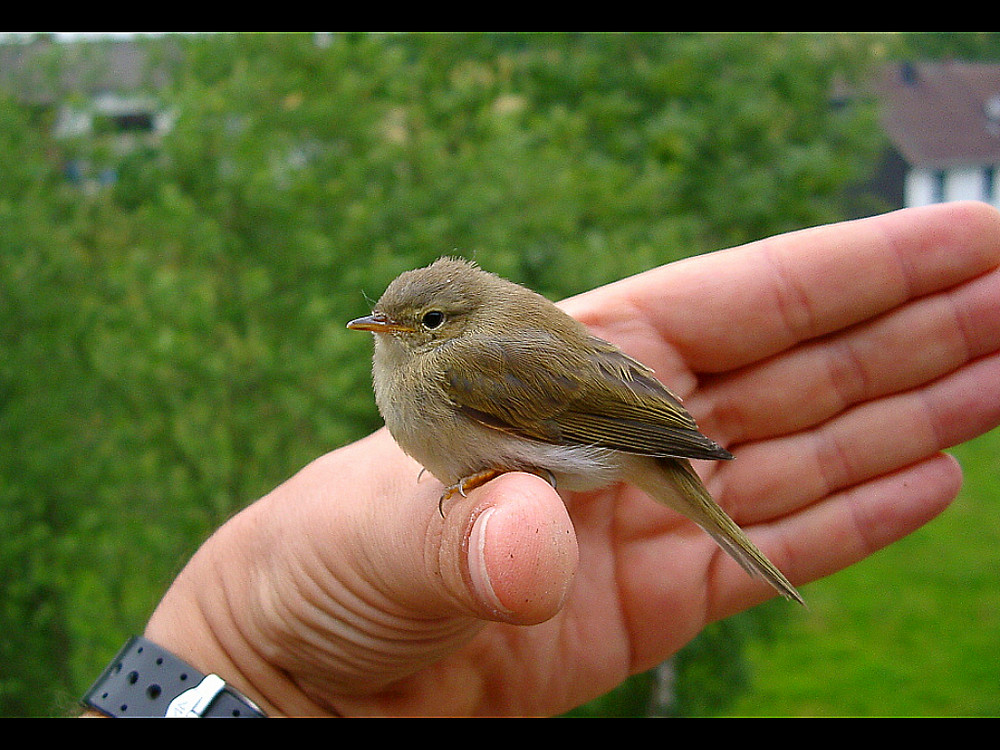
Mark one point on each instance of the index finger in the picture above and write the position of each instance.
(730, 308)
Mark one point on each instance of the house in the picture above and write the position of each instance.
(100, 99)
(942, 120)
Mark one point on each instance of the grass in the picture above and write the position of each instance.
(912, 631)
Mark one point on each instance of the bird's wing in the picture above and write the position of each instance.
(596, 396)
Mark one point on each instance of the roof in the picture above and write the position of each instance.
(47, 71)
(942, 114)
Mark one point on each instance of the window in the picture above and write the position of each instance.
(937, 186)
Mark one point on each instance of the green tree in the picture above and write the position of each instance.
(983, 46)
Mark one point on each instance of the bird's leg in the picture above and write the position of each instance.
(470, 482)
(547, 476)
(480, 478)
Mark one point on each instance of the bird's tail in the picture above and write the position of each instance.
(687, 494)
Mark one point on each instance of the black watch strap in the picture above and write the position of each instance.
(144, 680)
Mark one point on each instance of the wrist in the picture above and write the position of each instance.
(144, 680)
(217, 628)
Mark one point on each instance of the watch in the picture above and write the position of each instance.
(144, 680)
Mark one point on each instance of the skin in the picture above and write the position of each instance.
(835, 363)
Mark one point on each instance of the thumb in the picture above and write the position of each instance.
(346, 578)
(516, 550)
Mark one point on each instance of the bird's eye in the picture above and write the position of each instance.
(432, 319)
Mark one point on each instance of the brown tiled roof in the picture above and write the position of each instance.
(937, 114)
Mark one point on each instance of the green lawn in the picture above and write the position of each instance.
(912, 631)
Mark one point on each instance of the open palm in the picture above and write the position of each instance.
(835, 363)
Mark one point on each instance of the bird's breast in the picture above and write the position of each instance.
(451, 445)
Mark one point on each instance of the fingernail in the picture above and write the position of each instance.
(478, 571)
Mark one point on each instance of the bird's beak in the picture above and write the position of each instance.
(377, 323)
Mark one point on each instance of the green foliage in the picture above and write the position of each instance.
(174, 345)
(955, 45)
(910, 631)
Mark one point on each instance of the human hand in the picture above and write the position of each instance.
(835, 363)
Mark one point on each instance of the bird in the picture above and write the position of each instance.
(475, 375)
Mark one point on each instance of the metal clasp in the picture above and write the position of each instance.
(192, 703)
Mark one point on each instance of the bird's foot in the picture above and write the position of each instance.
(465, 484)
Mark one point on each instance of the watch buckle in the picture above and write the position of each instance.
(192, 703)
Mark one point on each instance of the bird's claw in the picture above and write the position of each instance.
(470, 482)
(480, 478)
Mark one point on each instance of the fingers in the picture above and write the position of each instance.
(732, 308)
(844, 528)
(798, 286)
(829, 535)
(505, 552)
(844, 408)
(521, 552)
(903, 349)
(851, 525)
(874, 438)
(346, 578)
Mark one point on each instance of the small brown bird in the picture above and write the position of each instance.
(475, 375)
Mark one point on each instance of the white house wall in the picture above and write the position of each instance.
(925, 186)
